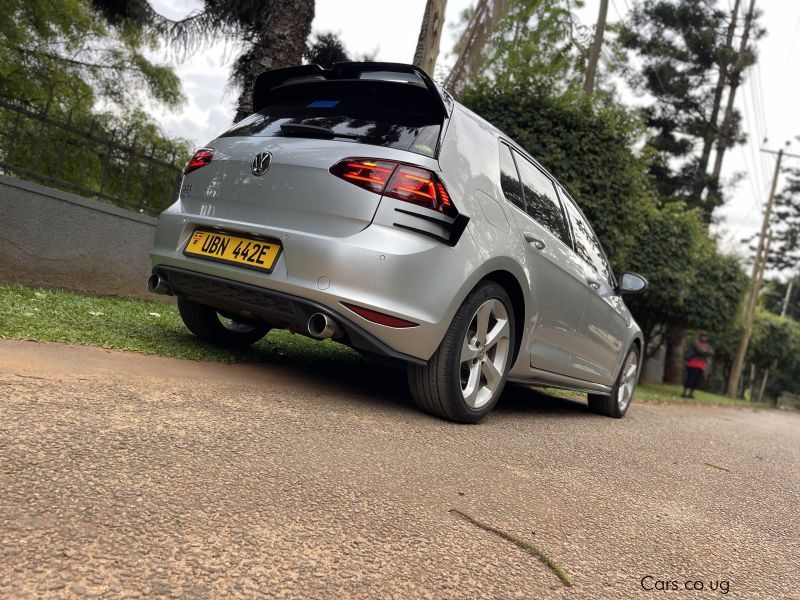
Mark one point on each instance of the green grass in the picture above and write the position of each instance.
(150, 327)
(667, 394)
(663, 392)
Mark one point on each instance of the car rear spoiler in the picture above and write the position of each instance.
(273, 79)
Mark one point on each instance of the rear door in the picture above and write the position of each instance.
(605, 319)
(557, 289)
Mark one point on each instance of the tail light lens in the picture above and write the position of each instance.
(199, 159)
(396, 180)
(371, 175)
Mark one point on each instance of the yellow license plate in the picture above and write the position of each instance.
(247, 252)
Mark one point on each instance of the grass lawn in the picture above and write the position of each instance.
(154, 327)
(140, 326)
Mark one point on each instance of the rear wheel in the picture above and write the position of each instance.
(616, 405)
(465, 377)
(207, 324)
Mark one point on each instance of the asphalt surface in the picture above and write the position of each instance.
(123, 475)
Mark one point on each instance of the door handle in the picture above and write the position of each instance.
(593, 283)
(537, 243)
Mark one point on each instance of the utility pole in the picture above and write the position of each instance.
(756, 276)
(711, 129)
(784, 308)
(430, 33)
(597, 46)
(736, 76)
(787, 297)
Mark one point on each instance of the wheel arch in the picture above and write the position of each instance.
(511, 285)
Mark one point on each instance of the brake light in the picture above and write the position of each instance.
(379, 317)
(396, 180)
(371, 175)
(199, 159)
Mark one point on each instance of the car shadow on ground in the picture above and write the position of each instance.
(376, 381)
(519, 398)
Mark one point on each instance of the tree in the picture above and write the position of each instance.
(681, 49)
(785, 225)
(775, 346)
(74, 86)
(273, 33)
(326, 50)
(430, 32)
(67, 51)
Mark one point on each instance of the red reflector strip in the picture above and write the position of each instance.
(379, 317)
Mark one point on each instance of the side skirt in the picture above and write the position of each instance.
(542, 378)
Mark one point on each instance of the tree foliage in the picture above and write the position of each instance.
(67, 50)
(272, 34)
(326, 50)
(89, 82)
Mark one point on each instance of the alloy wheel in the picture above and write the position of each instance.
(484, 353)
(627, 381)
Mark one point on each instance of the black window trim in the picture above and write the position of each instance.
(514, 148)
(568, 198)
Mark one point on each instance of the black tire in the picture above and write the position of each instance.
(611, 406)
(205, 323)
(437, 386)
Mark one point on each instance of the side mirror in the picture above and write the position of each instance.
(631, 283)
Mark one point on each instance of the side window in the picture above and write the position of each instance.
(586, 243)
(541, 200)
(509, 180)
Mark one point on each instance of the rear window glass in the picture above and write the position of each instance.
(370, 112)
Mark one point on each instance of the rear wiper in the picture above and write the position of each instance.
(300, 130)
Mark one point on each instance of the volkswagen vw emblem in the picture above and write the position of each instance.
(261, 163)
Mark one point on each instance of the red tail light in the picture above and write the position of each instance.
(396, 180)
(199, 159)
(379, 317)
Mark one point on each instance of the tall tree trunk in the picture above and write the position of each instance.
(711, 133)
(673, 363)
(724, 138)
(281, 41)
(429, 35)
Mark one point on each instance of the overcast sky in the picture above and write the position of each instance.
(768, 99)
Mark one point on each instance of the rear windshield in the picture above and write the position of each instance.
(380, 113)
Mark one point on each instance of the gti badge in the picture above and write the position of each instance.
(261, 163)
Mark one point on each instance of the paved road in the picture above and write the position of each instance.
(124, 476)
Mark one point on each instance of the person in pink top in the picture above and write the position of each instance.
(698, 359)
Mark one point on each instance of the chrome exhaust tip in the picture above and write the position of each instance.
(322, 327)
(157, 285)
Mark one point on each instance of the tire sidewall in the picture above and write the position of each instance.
(615, 404)
(456, 334)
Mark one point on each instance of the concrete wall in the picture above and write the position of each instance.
(51, 238)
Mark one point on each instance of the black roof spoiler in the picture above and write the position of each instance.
(379, 71)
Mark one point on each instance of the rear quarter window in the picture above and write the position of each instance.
(379, 113)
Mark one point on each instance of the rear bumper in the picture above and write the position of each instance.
(276, 308)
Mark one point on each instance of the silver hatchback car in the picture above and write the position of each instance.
(361, 203)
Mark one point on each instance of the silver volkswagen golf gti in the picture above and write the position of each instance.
(362, 204)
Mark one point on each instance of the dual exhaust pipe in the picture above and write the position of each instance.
(320, 326)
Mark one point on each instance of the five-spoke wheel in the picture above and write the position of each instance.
(466, 375)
